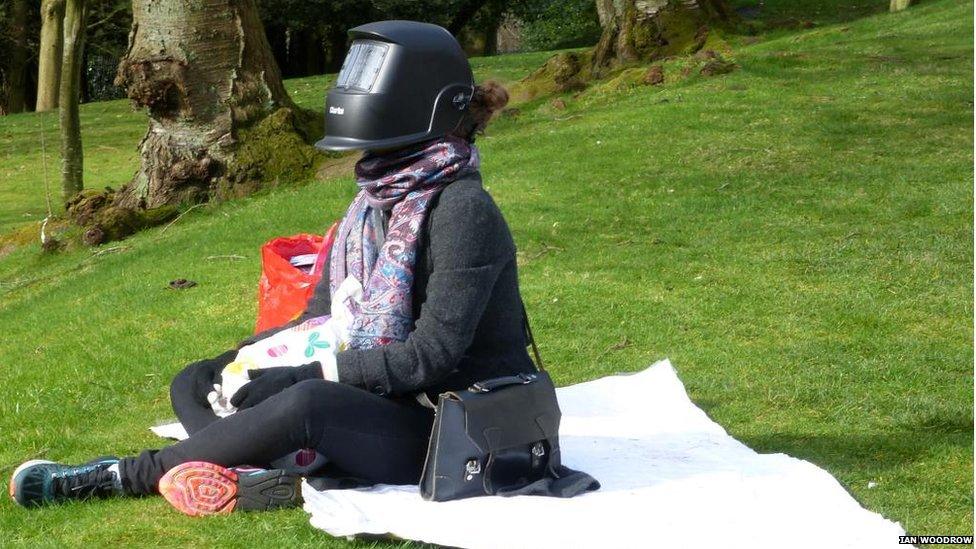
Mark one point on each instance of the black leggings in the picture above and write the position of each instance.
(362, 435)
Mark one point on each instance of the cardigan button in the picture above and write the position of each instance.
(378, 390)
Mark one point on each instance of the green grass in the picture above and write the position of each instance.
(796, 236)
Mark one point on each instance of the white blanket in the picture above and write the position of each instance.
(671, 478)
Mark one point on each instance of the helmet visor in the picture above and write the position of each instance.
(362, 65)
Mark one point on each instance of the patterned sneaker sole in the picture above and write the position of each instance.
(198, 488)
(14, 486)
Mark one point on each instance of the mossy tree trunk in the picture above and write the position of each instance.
(68, 98)
(50, 55)
(898, 5)
(644, 30)
(204, 71)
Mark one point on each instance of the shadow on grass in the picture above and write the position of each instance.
(801, 14)
(869, 452)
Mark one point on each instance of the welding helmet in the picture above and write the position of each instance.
(402, 82)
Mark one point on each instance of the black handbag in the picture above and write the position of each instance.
(497, 437)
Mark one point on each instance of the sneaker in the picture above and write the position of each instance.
(40, 482)
(198, 488)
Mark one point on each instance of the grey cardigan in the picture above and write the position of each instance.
(469, 317)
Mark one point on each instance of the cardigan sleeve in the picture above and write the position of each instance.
(469, 246)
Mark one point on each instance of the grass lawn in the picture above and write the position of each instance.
(796, 236)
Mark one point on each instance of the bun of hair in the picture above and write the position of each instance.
(491, 95)
(488, 98)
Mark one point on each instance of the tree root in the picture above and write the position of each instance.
(103, 221)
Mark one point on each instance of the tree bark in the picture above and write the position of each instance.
(305, 54)
(898, 5)
(337, 42)
(17, 67)
(204, 71)
(71, 152)
(645, 30)
(465, 13)
(494, 13)
(314, 52)
(50, 55)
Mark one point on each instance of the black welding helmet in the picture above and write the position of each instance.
(402, 82)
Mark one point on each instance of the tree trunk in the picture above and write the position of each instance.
(314, 52)
(644, 30)
(71, 152)
(278, 42)
(898, 5)
(337, 41)
(305, 54)
(205, 71)
(464, 14)
(16, 75)
(494, 13)
(50, 55)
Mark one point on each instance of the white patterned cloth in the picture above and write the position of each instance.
(316, 339)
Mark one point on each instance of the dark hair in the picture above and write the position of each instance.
(488, 98)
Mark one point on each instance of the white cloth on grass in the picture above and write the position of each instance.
(671, 478)
(174, 431)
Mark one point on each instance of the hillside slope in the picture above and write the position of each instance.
(795, 236)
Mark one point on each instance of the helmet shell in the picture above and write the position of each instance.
(420, 91)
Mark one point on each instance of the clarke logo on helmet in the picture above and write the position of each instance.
(336, 110)
(461, 100)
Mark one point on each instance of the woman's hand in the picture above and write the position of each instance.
(271, 381)
(207, 373)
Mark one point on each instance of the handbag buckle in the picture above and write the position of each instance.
(472, 468)
(538, 450)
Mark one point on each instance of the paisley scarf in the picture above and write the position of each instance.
(401, 183)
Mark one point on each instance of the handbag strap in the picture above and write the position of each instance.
(528, 333)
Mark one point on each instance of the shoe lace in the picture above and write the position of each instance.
(85, 481)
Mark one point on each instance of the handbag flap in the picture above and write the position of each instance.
(512, 415)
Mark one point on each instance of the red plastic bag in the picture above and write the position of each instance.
(284, 289)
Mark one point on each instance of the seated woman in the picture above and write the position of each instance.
(440, 307)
